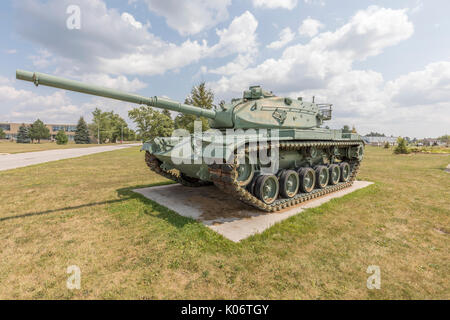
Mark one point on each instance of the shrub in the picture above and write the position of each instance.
(401, 147)
(386, 145)
(61, 137)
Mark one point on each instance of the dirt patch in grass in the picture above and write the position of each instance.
(82, 212)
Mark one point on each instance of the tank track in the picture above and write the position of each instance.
(225, 176)
(155, 165)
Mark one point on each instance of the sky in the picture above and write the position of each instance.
(384, 65)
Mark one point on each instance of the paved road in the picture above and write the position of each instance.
(12, 161)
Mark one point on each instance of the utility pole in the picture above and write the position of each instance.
(121, 141)
(98, 133)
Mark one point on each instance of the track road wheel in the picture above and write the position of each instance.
(251, 186)
(345, 171)
(245, 171)
(335, 174)
(322, 176)
(267, 188)
(289, 183)
(307, 179)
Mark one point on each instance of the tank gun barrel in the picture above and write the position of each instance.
(157, 102)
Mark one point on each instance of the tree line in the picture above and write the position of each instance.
(105, 127)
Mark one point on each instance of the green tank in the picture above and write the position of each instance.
(269, 152)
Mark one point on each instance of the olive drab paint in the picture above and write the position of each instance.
(305, 159)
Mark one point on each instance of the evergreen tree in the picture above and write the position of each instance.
(200, 97)
(82, 132)
(2, 134)
(61, 137)
(38, 131)
(23, 135)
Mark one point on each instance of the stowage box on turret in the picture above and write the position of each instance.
(310, 161)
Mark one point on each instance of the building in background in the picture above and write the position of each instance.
(380, 141)
(11, 129)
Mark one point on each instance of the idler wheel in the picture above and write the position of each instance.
(289, 183)
(307, 179)
(246, 172)
(335, 174)
(345, 171)
(267, 188)
(322, 176)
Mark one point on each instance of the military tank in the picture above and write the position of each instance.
(311, 160)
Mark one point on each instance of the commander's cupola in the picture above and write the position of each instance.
(256, 92)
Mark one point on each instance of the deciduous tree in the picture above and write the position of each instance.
(151, 123)
(107, 126)
(38, 131)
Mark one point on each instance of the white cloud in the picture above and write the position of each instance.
(131, 20)
(113, 43)
(315, 2)
(417, 7)
(241, 62)
(272, 4)
(286, 35)
(27, 106)
(310, 27)
(57, 107)
(425, 87)
(312, 65)
(120, 82)
(10, 51)
(43, 59)
(190, 17)
(4, 80)
(239, 37)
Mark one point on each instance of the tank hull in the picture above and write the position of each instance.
(298, 153)
(169, 151)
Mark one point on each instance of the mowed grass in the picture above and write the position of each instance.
(81, 212)
(13, 147)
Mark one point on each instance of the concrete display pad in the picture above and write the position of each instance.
(226, 215)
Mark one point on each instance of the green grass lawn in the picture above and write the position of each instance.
(81, 212)
(13, 147)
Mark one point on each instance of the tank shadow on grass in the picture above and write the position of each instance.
(124, 194)
(39, 213)
(164, 213)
